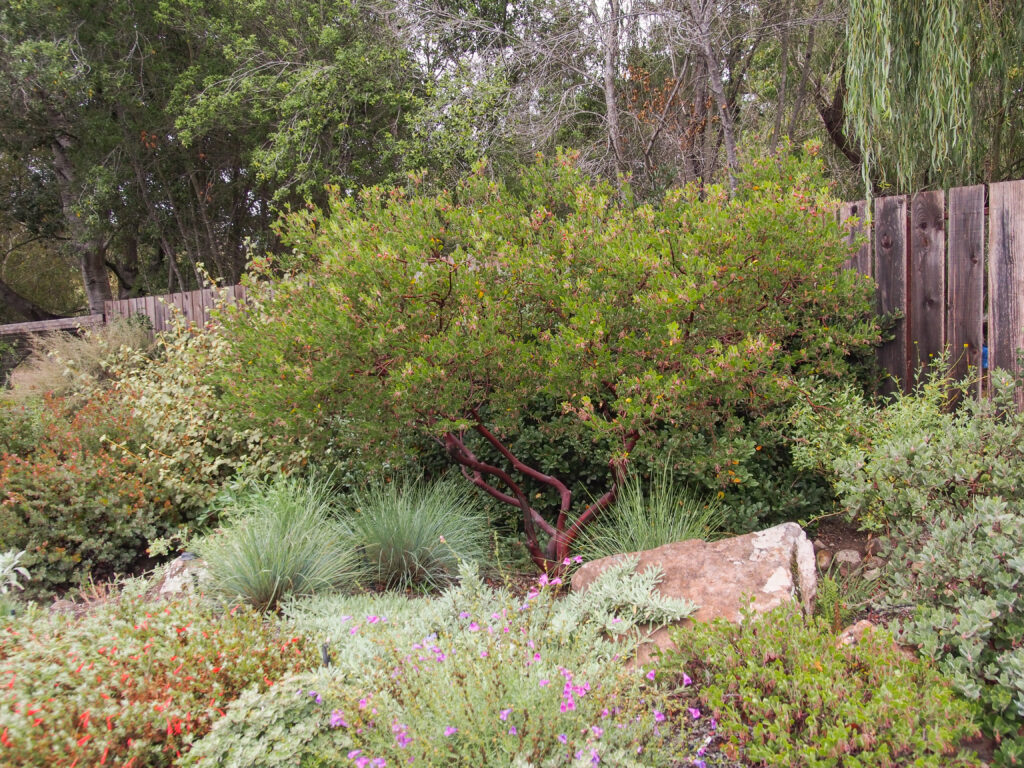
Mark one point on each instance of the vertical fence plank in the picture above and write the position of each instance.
(927, 278)
(1006, 276)
(861, 260)
(891, 276)
(966, 304)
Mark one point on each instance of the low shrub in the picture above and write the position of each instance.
(471, 678)
(782, 693)
(415, 533)
(76, 506)
(131, 683)
(964, 571)
(647, 517)
(280, 539)
(946, 485)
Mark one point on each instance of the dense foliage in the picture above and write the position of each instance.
(471, 677)
(783, 693)
(132, 682)
(945, 485)
(446, 314)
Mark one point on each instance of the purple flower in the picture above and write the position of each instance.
(372, 619)
(650, 675)
(512, 731)
(483, 654)
(563, 738)
(504, 714)
(594, 757)
(379, 762)
(599, 732)
(699, 763)
(659, 717)
(464, 615)
(694, 712)
(686, 679)
(473, 626)
(354, 754)
(451, 730)
(363, 703)
(544, 682)
(338, 719)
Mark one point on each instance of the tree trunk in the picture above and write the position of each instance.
(23, 306)
(90, 252)
(610, 72)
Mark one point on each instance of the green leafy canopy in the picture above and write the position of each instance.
(440, 313)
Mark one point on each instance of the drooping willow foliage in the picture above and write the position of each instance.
(935, 90)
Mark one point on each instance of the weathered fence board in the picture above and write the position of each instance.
(193, 306)
(1006, 276)
(927, 276)
(45, 326)
(966, 280)
(891, 277)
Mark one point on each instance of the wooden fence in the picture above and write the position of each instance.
(952, 265)
(194, 306)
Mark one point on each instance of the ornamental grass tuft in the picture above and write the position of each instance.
(280, 539)
(414, 533)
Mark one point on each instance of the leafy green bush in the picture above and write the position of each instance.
(132, 682)
(280, 539)
(471, 678)
(134, 455)
(445, 315)
(647, 517)
(783, 694)
(77, 507)
(415, 533)
(946, 484)
(964, 569)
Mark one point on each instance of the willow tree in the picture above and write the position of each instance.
(445, 316)
(934, 90)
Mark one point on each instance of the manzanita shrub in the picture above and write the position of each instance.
(783, 693)
(444, 315)
(132, 683)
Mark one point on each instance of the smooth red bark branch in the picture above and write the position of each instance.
(462, 455)
(564, 494)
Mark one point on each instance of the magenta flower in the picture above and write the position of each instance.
(512, 731)
(372, 619)
(544, 683)
(686, 679)
(659, 717)
(451, 730)
(650, 675)
(599, 732)
(354, 754)
(338, 719)
(504, 714)
(473, 626)
(563, 738)
(694, 712)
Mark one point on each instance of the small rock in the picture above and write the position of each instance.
(877, 547)
(181, 575)
(853, 634)
(917, 567)
(874, 562)
(848, 560)
(63, 606)
(871, 574)
(818, 545)
(824, 558)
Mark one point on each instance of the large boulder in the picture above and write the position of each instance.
(770, 567)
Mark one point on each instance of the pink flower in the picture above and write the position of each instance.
(599, 732)
(473, 626)
(659, 717)
(363, 703)
(483, 654)
(686, 679)
(338, 719)
(372, 619)
(694, 712)
(512, 731)
(504, 714)
(451, 730)
(650, 675)
(563, 738)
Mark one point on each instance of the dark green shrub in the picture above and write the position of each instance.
(783, 694)
(445, 315)
(131, 683)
